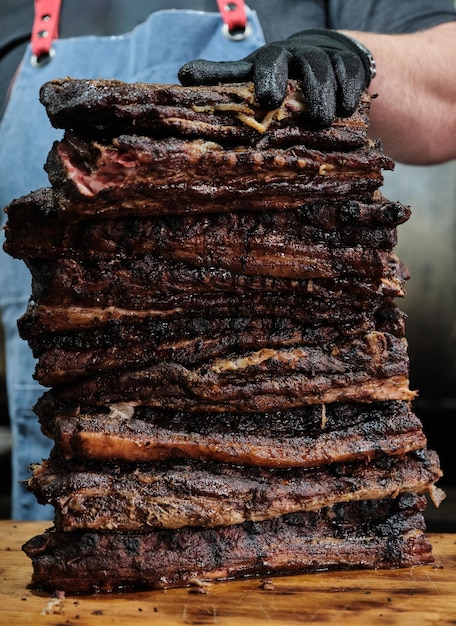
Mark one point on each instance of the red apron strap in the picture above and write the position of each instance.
(233, 14)
(45, 28)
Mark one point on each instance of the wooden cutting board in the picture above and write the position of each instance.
(415, 596)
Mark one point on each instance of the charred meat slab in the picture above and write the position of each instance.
(213, 307)
(369, 534)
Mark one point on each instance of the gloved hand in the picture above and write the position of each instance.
(333, 69)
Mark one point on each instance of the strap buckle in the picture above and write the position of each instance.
(45, 31)
(235, 24)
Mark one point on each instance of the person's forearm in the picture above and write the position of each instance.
(415, 111)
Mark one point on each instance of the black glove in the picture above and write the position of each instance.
(332, 68)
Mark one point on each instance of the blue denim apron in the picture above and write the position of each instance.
(153, 52)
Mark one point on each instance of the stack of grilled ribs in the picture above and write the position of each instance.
(213, 309)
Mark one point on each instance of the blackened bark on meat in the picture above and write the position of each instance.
(35, 218)
(234, 241)
(140, 496)
(180, 177)
(310, 421)
(337, 433)
(370, 534)
(180, 199)
(143, 282)
(371, 368)
(190, 342)
(229, 114)
(277, 306)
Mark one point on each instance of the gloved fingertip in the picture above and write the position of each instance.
(190, 73)
(349, 98)
(320, 115)
(269, 98)
(350, 76)
(270, 76)
(346, 110)
(322, 122)
(204, 72)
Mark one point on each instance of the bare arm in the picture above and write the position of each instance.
(415, 112)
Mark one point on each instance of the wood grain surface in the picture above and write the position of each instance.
(415, 596)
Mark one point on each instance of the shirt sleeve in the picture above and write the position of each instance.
(389, 16)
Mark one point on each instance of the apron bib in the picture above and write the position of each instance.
(152, 52)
